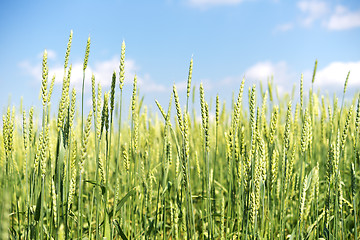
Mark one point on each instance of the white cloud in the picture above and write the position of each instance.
(181, 86)
(31, 70)
(51, 54)
(330, 78)
(207, 84)
(283, 76)
(338, 18)
(332, 75)
(284, 27)
(102, 71)
(261, 71)
(335, 74)
(146, 84)
(210, 3)
(344, 19)
(313, 10)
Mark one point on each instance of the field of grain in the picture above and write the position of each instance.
(269, 167)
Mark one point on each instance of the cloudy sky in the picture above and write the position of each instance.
(228, 39)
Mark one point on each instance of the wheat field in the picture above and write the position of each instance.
(268, 167)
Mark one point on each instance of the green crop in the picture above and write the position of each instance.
(277, 169)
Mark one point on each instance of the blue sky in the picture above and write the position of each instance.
(228, 39)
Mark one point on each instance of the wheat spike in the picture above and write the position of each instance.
(346, 127)
(112, 92)
(314, 72)
(273, 124)
(178, 108)
(44, 82)
(122, 66)
(84, 143)
(87, 52)
(73, 172)
(53, 196)
(189, 78)
(51, 89)
(287, 127)
(252, 103)
(68, 50)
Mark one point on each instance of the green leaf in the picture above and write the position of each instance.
(119, 230)
(125, 198)
(37, 209)
(122, 201)
(97, 184)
